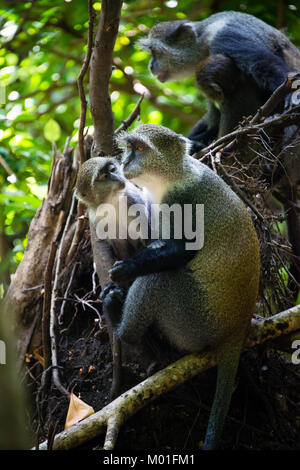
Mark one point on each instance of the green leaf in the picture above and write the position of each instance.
(52, 131)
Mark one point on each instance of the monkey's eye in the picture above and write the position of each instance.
(101, 176)
(129, 147)
(111, 168)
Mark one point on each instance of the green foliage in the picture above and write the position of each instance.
(42, 46)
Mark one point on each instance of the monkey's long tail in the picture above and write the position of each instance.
(228, 360)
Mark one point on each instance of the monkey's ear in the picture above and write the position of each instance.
(121, 139)
(182, 33)
(186, 143)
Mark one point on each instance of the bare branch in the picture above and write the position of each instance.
(80, 79)
(276, 98)
(135, 113)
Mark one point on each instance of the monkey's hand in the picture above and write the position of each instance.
(196, 146)
(123, 271)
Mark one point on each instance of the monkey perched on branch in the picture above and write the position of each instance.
(226, 48)
(101, 185)
(238, 61)
(197, 299)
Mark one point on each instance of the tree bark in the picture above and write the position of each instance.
(24, 296)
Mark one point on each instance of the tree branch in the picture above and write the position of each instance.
(135, 113)
(80, 79)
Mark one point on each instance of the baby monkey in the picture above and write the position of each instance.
(101, 185)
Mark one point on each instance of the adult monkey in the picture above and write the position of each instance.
(238, 61)
(196, 298)
(232, 43)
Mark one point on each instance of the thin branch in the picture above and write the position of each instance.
(80, 79)
(238, 191)
(62, 309)
(288, 118)
(6, 166)
(132, 116)
(284, 120)
(274, 100)
(46, 306)
(81, 218)
(53, 319)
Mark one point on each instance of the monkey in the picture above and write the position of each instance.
(198, 299)
(100, 181)
(260, 59)
(238, 61)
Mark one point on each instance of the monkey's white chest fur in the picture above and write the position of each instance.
(156, 185)
(118, 213)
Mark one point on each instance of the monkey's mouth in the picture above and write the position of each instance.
(130, 173)
(162, 77)
(118, 179)
(121, 184)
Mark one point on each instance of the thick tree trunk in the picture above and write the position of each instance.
(25, 294)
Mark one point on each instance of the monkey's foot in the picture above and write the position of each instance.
(113, 297)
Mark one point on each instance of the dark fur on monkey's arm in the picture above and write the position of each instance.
(206, 129)
(158, 256)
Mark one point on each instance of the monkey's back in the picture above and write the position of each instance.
(213, 296)
(252, 30)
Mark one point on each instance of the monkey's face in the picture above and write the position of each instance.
(135, 157)
(98, 179)
(162, 65)
(152, 153)
(172, 45)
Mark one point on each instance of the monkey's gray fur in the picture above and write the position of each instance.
(261, 54)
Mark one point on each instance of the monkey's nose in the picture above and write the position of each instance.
(126, 161)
